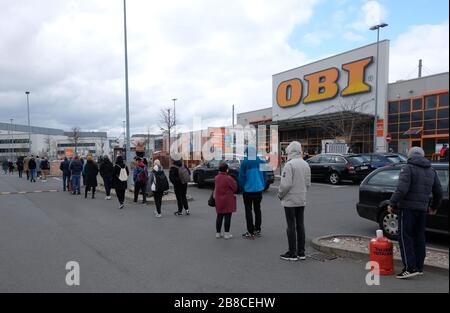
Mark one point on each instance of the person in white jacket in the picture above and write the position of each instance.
(295, 181)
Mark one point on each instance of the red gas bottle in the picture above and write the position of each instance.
(382, 252)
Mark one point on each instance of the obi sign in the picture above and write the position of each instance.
(319, 87)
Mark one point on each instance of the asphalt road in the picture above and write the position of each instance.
(132, 251)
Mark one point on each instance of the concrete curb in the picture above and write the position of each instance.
(360, 255)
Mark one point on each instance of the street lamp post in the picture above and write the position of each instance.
(29, 127)
(12, 139)
(377, 28)
(127, 99)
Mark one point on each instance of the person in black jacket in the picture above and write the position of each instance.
(90, 173)
(32, 168)
(107, 172)
(64, 167)
(19, 164)
(179, 186)
(120, 185)
(411, 201)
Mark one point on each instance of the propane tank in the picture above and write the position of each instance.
(382, 252)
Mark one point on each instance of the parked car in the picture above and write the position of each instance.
(205, 173)
(376, 190)
(377, 160)
(337, 167)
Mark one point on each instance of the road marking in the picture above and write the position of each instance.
(5, 193)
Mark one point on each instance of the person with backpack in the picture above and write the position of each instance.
(32, 168)
(90, 173)
(64, 167)
(120, 178)
(252, 181)
(158, 184)
(140, 178)
(45, 168)
(107, 172)
(179, 176)
(19, 164)
(75, 172)
(225, 189)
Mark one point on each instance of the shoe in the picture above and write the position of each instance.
(227, 236)
(289, 257)
(188, 212)
(158, 215)
(178, 213)
(121, 207)
(247, 235)
(420, 272)
(218, 235)
(406, 274)
(258, 233)
(301, 257)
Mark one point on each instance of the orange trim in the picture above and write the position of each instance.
(436, 136)
(435, 92)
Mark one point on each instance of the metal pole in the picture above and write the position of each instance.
(127, 147)
(420, 68)
(232, 118)
(12, 139)
(29, 127)
(376, 96)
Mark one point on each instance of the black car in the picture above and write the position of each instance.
(337, 167)
(376, 190)
(377, 160)
(205, 173)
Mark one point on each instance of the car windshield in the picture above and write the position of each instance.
(385, 178)
(443, 177)
(356, 160)
(396, 159)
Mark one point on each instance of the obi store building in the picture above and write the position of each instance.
(331, 103)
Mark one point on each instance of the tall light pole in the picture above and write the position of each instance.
(29, 127)
(12, 139)
(127, 98)
(377, 28)
(174, 119)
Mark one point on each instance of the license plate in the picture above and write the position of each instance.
(364, 168)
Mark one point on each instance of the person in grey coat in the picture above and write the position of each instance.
(411, 201)
(295, 181)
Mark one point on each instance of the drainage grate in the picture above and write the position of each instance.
(322, 257)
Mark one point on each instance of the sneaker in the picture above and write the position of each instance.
(406, 274)
(258, 233)
(420, 272)
(301, 257)
(218, 235)
(108, 198)
(188, 212)
(178, 213)
(289, 257)
(228, 236)
(121, 207)
(158, 215)
(247, 235)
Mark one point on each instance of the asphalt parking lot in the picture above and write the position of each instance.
(131, 251)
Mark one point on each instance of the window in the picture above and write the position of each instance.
(393, 107)
(416, 116)
(404, 127)
(442, 123)
(325, 159)
(417, 104)
(385, 178)
(430, 102)
(396, 159)
(393, 128)
(393, 119)
(443, 100)
(429, 115)
(356, 160)
(443, 177)
(314, 160)
(443, 113)
(405, 118)
(405, 106)
(429, 125)
(339, 160)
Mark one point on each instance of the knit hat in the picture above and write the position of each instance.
(416, 152)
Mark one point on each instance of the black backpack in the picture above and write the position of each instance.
(161, 182)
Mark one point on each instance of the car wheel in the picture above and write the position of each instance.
(334, 178)
(389, 224)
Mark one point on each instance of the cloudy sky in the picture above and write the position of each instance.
(209, 54)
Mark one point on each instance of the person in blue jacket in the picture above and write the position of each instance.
(252, 182)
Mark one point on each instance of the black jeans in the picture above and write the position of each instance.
(87, 189)
(20, 173)
(219, 221)
(412, 238)
(120, 195)
(252, 202)
(295, 229)
(28, 174)
(66, 180)
(181, 194)
(107, 184)
(138, 187)
(157, 196)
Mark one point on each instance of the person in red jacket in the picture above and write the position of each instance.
(225, 196)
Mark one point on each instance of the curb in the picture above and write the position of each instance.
(360, 255)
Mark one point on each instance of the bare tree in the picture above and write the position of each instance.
(167, 122)
(75, 137)
(350, 115)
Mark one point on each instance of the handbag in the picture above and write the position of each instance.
(212, 201)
